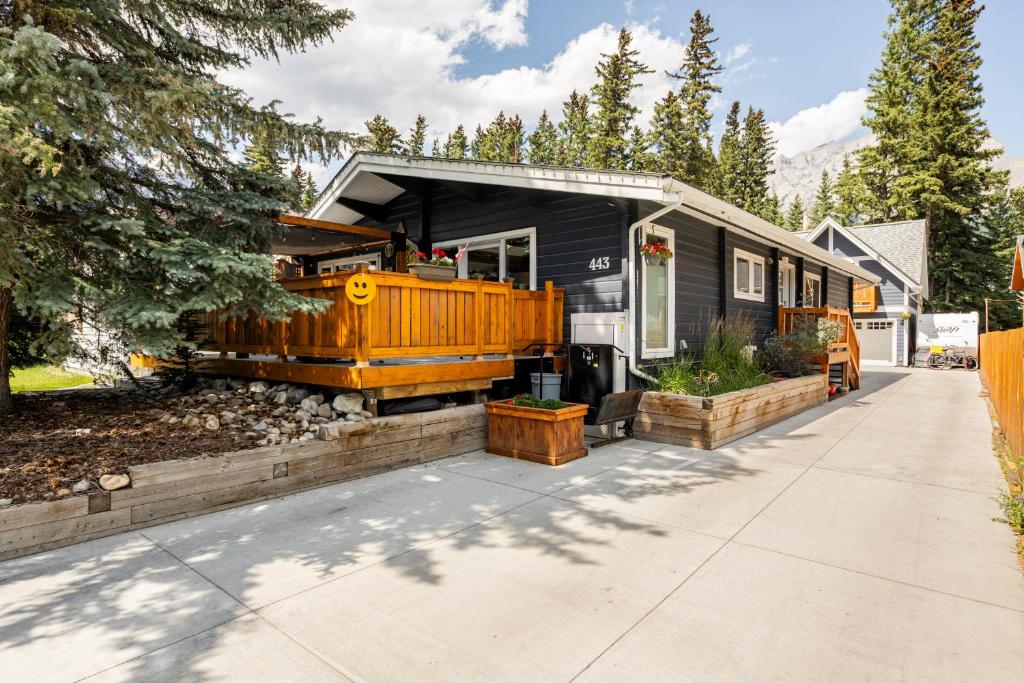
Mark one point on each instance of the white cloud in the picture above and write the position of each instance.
(401, 61)
(814, 126)
(737, 52)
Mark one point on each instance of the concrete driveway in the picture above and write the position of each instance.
(855, 541)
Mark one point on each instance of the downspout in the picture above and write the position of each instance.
(633, 367)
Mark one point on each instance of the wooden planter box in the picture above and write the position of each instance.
(425, 271)
(709, 422)
(550, 437)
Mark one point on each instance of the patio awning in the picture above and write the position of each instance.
(301, 236)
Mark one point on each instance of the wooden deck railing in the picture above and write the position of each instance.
(1002, 367)
(845, 350)
(408, 318)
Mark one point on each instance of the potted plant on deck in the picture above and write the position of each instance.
(439, 267)
(545, 431)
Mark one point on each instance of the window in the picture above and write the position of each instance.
(657, 294)
(498, 256)
(748, 275)
(339, 265)
(812, 290)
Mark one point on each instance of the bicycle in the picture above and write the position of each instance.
(941, 357)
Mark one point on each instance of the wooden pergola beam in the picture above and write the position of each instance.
(330, 226)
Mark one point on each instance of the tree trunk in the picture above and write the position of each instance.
(6, 401)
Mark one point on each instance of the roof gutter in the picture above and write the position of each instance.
(631, 321)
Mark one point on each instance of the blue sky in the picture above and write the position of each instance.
(462, 61)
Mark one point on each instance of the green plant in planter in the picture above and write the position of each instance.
(725, 364)
(531, 401)
(792, 354)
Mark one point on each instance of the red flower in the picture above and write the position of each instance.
(438, 252)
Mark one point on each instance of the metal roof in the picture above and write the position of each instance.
(360, 179)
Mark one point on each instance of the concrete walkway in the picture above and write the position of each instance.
(854, 542)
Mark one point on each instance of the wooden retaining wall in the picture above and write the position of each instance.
(166, 491)
(709, 422)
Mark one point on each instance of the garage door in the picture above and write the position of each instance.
(876, 339)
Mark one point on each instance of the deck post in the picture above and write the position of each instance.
(549, 316)
(478, 317)
(363, 330)
(510, 306)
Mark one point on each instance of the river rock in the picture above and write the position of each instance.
(280, 398)
(112, 482)
(324, 410)
(309, 405)
(4, 502)
(219, 385)
(212, 423)
(81, 486)
(236, 383)
(366, 413)
(191, 421)
(260, 426)
(295, 396)
(227, 418)
(348, 403)
(283, 410)
(316, 398)
(354, 417)
(259, 387)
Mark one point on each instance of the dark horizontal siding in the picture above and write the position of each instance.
(838, 290)
(760, 312)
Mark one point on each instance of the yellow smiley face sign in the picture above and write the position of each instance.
(360, 289)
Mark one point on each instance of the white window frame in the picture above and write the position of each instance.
(498, 238)
(332, 264)
(667, 351)
(738, 293)
(815, 278)
(787, 288)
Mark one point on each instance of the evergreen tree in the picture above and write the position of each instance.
(773, 211)
(824, 200)
(639, 156)
(435, 149)
(849, 192)
(417, 138)
(1005, 220)
(304, 189)
(382, 136)
(757, 147)
(700, 66)
(544, 142)
(667, 134)
(617, 79)
(263, 155)
(502, 140)
(120, 201)
(728, 184)
(795, 214)
(574, 130)
(477, 144)
(512, 140)
(456, 146)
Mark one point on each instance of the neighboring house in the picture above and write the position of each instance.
(582, 229)
(887, 312)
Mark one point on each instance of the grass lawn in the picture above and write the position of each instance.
(46, 377)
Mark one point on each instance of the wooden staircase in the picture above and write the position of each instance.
(845, 352)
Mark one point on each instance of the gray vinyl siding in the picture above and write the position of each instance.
(842, 246)
(760, 312)
(838, 290)
(890, 288)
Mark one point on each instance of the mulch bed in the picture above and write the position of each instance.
(55, 439)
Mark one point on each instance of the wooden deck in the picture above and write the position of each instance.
(416, 337)
(845, 351)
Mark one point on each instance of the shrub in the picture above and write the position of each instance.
(792, 353)
(725, 365)
(1013, 509)
(531, 401)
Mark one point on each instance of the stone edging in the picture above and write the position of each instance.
(709, 422)
(170, 490)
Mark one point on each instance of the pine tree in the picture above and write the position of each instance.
(757, 148)
(824, 200)
(773, 210)
(728, 184)
(456, 146)
(382, 136)
(120, 200)
(574, 130)
(795, 214)
(502, 140)
(639, 156)
(304, 189)
(544, 142)
(263, 155)
(477, 144)
(417, 138)
(435, 149)
(667, 136)
(700, 66)
(512, 140)
(617, 79)
(849, 193)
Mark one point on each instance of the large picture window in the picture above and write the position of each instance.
(657, 294)
(497, 256)
(748, 275)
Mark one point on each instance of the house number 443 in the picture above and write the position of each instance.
(601, 263)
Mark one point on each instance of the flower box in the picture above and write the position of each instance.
(426, 271)
(550, 437)
(711, 421)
